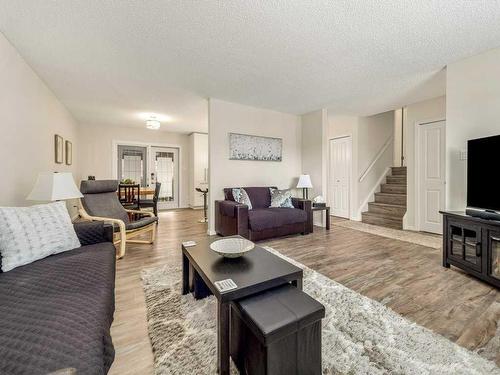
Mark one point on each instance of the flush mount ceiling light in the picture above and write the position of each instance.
(153, 124)
(154, 116)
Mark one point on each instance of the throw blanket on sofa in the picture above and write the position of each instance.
(56, 313)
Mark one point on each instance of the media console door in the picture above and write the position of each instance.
(472, 244)
(465, 244)
(493, 253)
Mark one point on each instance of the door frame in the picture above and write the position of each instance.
(349, 179)
(148, 145)
(416, 183)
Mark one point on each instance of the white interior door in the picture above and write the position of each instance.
(431, 175)
(165, 169)
(339, 176)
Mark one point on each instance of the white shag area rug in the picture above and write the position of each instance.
(360, 335)
(429, 240)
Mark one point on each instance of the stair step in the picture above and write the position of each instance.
(397, 199)
(398, 171)
(393, 188)
(391, 210)
(384, 221)
(396, 180)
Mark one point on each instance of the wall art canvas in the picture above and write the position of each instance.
(253, 147)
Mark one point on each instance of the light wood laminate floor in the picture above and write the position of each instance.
(407, 278)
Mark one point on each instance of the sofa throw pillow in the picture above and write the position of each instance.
(31, 233)
(281, 198)
(241, 196)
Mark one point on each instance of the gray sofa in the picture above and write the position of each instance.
(56, 313)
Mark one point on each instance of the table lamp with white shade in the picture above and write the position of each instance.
(54, 186)
(304, 184)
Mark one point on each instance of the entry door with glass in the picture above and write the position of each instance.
(132, 164)
(165, 169)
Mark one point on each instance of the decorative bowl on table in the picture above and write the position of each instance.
(232, 247)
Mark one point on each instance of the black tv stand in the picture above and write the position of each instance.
(472, 244)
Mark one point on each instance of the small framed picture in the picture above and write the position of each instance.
(58, 148)
(69, 153)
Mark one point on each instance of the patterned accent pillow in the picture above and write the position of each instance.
(281, 198)
(241, 196)
(32, 233)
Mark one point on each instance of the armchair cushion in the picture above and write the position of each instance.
(141, 223)
(100, 199)
(267, 218)
(98, 186)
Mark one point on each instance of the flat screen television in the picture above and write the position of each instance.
(483, 177)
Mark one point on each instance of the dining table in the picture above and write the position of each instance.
(145, 191)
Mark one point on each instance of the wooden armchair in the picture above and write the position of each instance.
(100, 203)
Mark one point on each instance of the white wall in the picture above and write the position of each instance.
(428, 110)
(30, 115)
(472, 111)
(398, 137)
(96, 150)
(314, 155)
(225, 118)
(198, 167)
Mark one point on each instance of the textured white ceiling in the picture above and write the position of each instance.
(109, 60)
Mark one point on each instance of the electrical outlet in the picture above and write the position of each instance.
(463, 155)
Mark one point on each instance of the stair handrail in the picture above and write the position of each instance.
(378, 156)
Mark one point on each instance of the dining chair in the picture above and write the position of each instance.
(130, 196)
(152, 203)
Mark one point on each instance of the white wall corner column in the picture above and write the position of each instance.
(314, 156)
(198, 168)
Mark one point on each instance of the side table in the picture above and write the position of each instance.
(327, 209)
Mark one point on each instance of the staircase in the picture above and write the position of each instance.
(390, 204)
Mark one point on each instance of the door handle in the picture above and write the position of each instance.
(478, 249)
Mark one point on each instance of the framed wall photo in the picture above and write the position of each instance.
(58, 149)
(254, 147)
(69, 153)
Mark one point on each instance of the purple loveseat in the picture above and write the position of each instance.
(261, 221)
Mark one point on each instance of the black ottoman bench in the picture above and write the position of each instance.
(277, 332)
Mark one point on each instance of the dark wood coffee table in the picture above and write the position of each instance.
(256, 271)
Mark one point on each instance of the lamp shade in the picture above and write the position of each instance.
(51, 186)
(304, 182)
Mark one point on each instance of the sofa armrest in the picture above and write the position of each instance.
(93, 232)
(231, 218)
(306, 205)
(303, 204)
(230, 208)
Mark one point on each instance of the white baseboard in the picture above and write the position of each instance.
(211, 232)
(371, 195)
